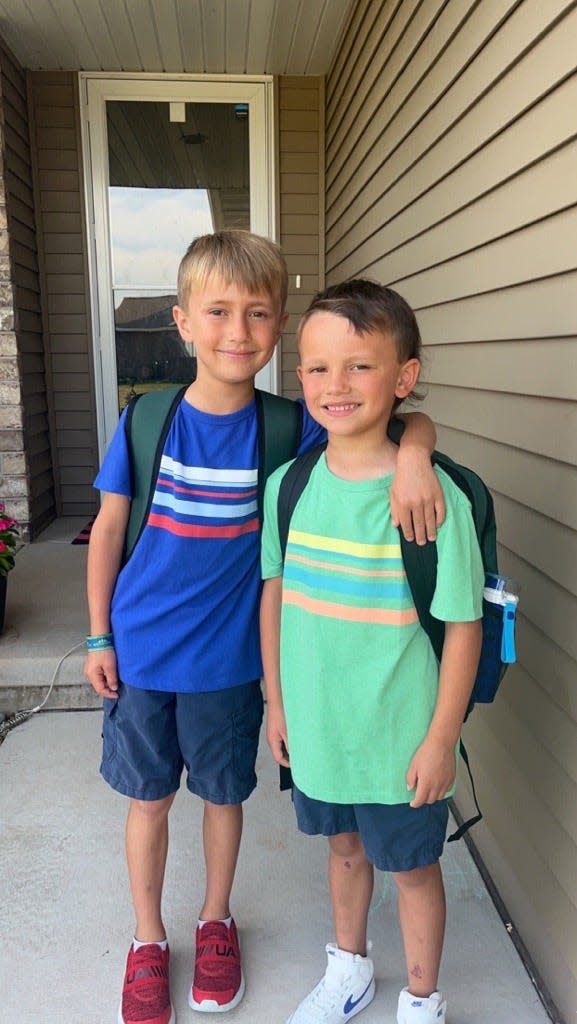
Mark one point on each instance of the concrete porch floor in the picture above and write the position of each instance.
(46, 615)
(65, 913)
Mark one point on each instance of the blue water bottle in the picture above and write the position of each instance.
(504, 591)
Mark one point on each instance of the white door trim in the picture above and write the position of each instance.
(95, 90)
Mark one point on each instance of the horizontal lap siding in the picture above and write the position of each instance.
(451, 174)
(300, 122)
(65, 288)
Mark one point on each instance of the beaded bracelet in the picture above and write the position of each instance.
(100, 642)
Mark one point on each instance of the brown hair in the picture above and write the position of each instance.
(239, 257)
(368, 307)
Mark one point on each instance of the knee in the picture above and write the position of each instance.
(153, 810)
(348, 846)
(222, 810)
(418, 877)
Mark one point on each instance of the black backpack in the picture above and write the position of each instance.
(420, 563)
(148, 419)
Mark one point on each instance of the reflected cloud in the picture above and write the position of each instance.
(150, 232)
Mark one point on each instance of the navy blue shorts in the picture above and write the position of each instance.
(396, 837)
(150, 736)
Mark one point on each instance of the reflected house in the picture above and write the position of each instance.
(149, 348)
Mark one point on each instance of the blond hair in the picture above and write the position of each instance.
(238, 257)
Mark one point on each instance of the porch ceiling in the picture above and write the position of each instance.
(281, 37)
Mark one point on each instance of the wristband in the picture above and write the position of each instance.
(100, 642)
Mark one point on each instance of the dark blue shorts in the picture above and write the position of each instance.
(150, 736)
(396, 837)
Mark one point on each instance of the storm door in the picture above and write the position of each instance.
(168, 161)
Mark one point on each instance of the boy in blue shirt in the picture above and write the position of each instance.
(356, 703)
(174, 646)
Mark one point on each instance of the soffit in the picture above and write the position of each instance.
(279, 37)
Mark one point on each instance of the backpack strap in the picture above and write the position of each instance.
(481, 502)
(292, 486)
(420, 562)
(147, 423)
(466, 825)
(279, 431)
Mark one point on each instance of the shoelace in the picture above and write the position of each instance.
(324, 998)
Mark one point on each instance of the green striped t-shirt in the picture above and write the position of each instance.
(359, 676)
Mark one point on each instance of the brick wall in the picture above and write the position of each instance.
(13, 471)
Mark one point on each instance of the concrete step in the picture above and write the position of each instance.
(46, 617)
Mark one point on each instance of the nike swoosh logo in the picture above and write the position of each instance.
(351, 1003)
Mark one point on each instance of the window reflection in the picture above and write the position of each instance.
(149, 350)
(150, 230)
(168, 183)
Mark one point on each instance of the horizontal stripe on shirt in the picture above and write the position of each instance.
(329, 609)
(348, 547)
(203, 510)
(206, 475)
(202, 492)
(337, 567)
(197, 530)
(352, 586)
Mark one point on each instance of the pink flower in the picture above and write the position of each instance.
(3, 546)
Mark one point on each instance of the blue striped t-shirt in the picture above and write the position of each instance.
(185, 607)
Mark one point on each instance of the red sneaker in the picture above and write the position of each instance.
(146, 995)
(218, 984)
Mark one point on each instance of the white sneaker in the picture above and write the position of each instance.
(418, 1010)
(347, 987)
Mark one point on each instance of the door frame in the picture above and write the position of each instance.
(95, 90)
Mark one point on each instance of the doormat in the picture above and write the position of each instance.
(84, 536)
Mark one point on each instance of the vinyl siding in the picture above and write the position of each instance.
(451, 174)
(301, 159)
(28, 474)
(65, 287)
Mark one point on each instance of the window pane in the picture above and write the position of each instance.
(169, 181)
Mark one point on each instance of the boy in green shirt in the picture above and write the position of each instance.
(354, 692)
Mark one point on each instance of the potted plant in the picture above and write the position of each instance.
(9, 536)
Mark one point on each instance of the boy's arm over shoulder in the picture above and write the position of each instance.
(417, 503)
